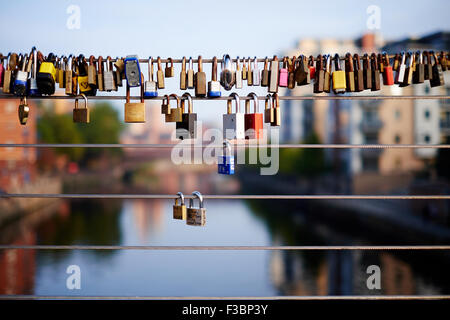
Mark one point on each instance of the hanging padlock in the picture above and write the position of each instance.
(83, 77)
(132, 71)
(92, 72)
(33, 89)
(419, 73)
(165, 105)
(359, 73)
(327, 74)
(8, 77)
(367, 72)
(100, 78)
(253, 121)
(276, 111)
(291, 75)
(71, 77)
(169, 70)
(225, 163)
(62, 73)
(443, 61)
(196, 216)
(150, 85)
(179, 209)
(302, 75)
(320, 75)
(200, 79)
(190, 75)
(227, 78)
(339, 83)
(388, 73)
(238, 75)
(187, 128)
(273, 77)
(311, 67)
(2, 69)
(108, 76)
(438, 74)
(349, 73)
(23, 111)
(256, 76)
(20, 82)
(283, 74)
(249, 73)
(135, 111)
(428, 66)
(265, 73)
(244, 70)
(233, 123)
(81, 115)
(175, 114)
(46, 76)
(376, 82)
(380, 63)
(268, 110)
(214, 85)
(400, 73)
(119, 64)
(183, 75)
(407, 78)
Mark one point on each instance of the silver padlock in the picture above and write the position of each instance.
(196, 216)
(234, 123)
(400, 73)
(33, 89)
(256, 76)
(108, 76)
(150, 85)
(238, 75)
(226, 75)
(20, 82)
(214, 85)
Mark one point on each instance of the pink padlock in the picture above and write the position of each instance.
(2, 71)
(283, 74)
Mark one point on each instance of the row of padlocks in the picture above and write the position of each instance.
(194, 216)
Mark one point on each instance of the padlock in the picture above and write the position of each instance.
(283, 74)
(71, 77)
(2, 69)
(150, 85)
(388, 73)
(349, 73)
(380, 63)
(83, 77)
(419, 73)
(165, 106)
(302, 75)
(169, 70)
(179, 209)
(407, 78)
(23, 111)
(33, 89)
(233, 123)
(400, 73)
(268, 110)
(376, 82)
(175, 114)
(443, 61)
(190, 75)
(20, 82)
(291, 75)
(438, 74)
(214, 85)
(396, 63)
(187, 127)
(227, 78)
(135, 111)
(428, 66)
(249, 73)
(196, 216)
(62, 73)
(256, 76)
(46, 76)
(238, 75)
(273, 77)
(327, 74)
(159, 74)
(265, 73)
(200, 80)
(118, 73)
(253, 121)
(311, 67)
(8, 77)
(225, 163)
(183, 75)
(276, 111)
(319, 75)
(339, 83)
(367, 72)
(100, 78)
(108, 76)
(81, 115)
(244, 70)
(132, 71)
(92, 72)
(359, 73)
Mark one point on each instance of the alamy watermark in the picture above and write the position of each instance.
(374, 19)
(374, 280)
(73, 282)
(74, 19)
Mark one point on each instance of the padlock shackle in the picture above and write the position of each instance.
(158, 61)
(180, 196)
(226, 62)
(275, 100)
(173, 95)
(187, 96)
(255, 103)
(357, 62)
(142, 90)
(183, 64)
(198, 195)
(150, 68)
(100, 65)
(169, 60)
(191, 64)
(238, 103)
(82, 95)
(238, 62)
(385, 58)
(349, 62)
(319, 63)
(214, 69)
(337, 62)
(373, 61)
(200, 64)
(366, 62)
(268, 101)
(226, 148)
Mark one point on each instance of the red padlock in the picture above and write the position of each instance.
(253, 121)
(312, 68)
(284, 73)
(388, 74)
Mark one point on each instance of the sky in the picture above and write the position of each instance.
(189, 28)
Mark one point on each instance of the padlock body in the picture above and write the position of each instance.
(234, 126)
(339, 82)
(23, 112)
(33, 88)
(214, 89)
(45, 83)
(238, 79)
(150, 89)
(388, 76)
(175, 115)
(438, 76)
(283, 78)
(253, 125)
(135, 112)
(269, 115)
(200, 84)
(276, 117)
(196, 217)
(179, 212)
(81, 115)
(132, 72)
(312, 72)
(186, 129)
(225, 165)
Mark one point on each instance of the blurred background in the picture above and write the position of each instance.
(250, 28)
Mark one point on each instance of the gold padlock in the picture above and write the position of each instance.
(165, 106)
(135, 111)
(179, 210)
(268, 110)
(276, 111)
(23, 111)
(81, 115)
(176, 114)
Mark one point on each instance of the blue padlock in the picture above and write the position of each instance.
(132, 71)
(226, 161)
(214, 85)
(150, 85)
(32, 83)
(20, 83)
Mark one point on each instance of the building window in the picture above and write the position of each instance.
(427, 114)
(397, 138)
(427, 138)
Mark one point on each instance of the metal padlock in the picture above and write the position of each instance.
(179, 210)
(20, 82)
(118, 73)
(349, 73)
(244, 70)
(83, 77)
(132, 71)
(407, 78)
(71, 77)
(256, 75)
(176, 114)
(183, 75)
(419, 73)
(388, 73)
(135, 111)
(196, 216)
(100, 82)
(200, 80)
(33, 89)
(249, 73)
(428, 66)
(108, 76)
(165, 105)
(233, 123)
(339, 83)
(327, 74)
(214, 85)
(81, 115)
(150, 85)
(8, 75)
(359, 73)
(400, 73)
(227, 78)
(302, 75)
(265, 74)
(2, 69)
(283, 75)
(225, 163)
(92, 72)
(311, 67)
(23, 111)
(367, 72)
(273, 79)
(169, 70)
(268, 110)
(253, 121)
(320, 75)
(276, 111)
(438, 74)
(190, 75)
(291, 75)
(187, 128)
(376, 82)
(47, 75)
(238, 75)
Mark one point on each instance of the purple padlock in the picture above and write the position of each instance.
(283, 74)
